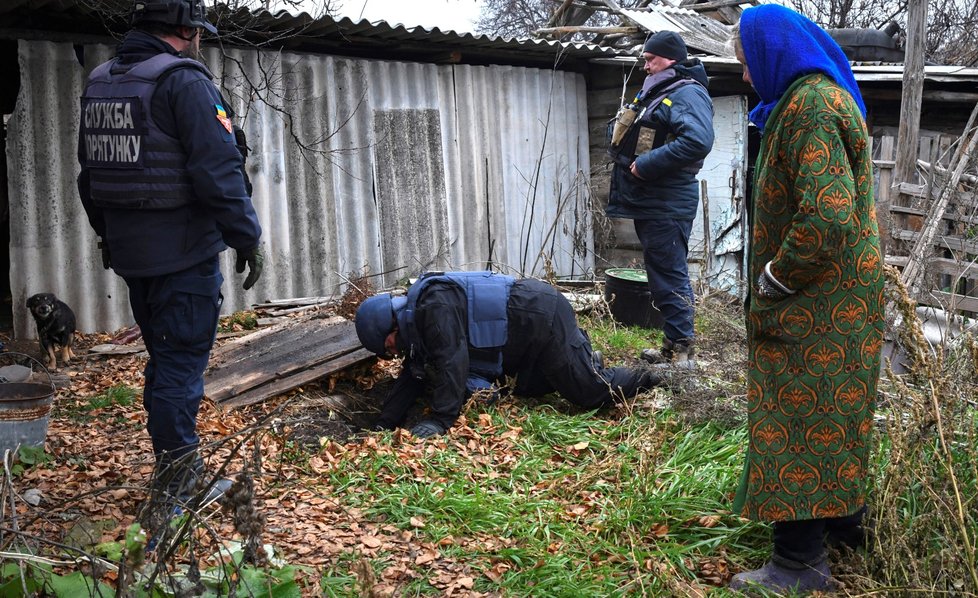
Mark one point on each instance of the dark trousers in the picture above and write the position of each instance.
(177, 314)
(803, 541)
(665, 245)
(548, 352)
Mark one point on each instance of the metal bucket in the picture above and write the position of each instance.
(627, 292)
(24, 406)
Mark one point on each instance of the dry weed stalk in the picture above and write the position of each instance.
(925, 499)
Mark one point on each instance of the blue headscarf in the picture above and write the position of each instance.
(781, 46)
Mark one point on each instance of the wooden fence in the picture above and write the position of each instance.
(932, 224)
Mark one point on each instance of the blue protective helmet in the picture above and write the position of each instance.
(375, 320)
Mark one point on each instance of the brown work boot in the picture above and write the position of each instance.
(679, 353)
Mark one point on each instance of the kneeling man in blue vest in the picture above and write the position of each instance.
(463, 333)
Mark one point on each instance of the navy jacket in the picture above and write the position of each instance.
(442, 323)
(669, 190)
(545, 352)
(155, 242)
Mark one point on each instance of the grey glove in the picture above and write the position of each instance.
(254, 259)
(769, 287)
(106, 258)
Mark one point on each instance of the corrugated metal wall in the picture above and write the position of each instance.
(391, 166)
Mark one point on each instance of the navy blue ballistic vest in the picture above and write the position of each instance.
(132, 163)
(487, 295)
(626, 152)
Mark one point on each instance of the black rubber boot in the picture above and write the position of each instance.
(783, 576)
(427, 428)
(848, 532)
(184, 481)
(628, 382)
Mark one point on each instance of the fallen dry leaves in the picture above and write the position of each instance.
(103, 463)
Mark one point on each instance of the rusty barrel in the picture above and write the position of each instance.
(24, 410)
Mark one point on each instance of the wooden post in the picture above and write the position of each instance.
(707, 241)
(913, 87)
(884, 195)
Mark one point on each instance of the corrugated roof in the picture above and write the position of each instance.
(302, 32)
(864, 71)
(403, 166)
(698, 31)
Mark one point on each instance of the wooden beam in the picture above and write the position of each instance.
(965, 218)
(584, 29)
(929, 95)
(884, 200)
(716, 4)
(951, 300)
(912, 189)
(941, 170)
(278, 357)
(277, 387)
(913, 85)
(952, 243)
(944, 265)
(961, 160)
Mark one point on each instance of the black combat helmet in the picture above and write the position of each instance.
(185, 13)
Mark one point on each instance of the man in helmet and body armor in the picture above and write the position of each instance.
(162, 182)
(461, 333)
(659, 143)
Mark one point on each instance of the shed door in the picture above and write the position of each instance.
(716, 245)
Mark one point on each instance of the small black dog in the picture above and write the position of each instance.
(55, 327)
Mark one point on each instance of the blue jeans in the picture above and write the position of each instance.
(177, 314)
(665, 245)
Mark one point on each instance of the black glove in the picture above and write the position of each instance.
(427, 428)
(106, 258)
(254, 259)
(769, 287)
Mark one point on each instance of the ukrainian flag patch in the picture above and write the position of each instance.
(222, 117)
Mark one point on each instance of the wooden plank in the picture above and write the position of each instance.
(885, 196)
(276, 387)
(219, 355)
(965, 218)
(950, 300)
(715, 4)
(272, 366)
(110, 349)
(912, 190)
(293, 301)
(952, 243)
(305, 344)
(943, 265)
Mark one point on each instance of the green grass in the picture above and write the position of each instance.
(564, 519)
(239, 320)
(620, 342)
(537, 499)
(84, 409)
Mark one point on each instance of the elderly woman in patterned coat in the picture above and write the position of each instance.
(815, 314)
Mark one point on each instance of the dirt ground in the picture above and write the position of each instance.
(102, 460)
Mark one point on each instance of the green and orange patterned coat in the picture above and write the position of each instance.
(814, 357)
